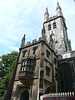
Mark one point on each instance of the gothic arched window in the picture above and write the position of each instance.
(49, 27)
(54, 25)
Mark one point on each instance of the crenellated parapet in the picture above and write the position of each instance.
(35, 41)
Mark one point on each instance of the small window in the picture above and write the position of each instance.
(23, 65)
(49, 27)
(28, 52)
(55, 61)
(34, 50)
(56, 76)
(47, 53)
(28, 62)
(24, 53)
(30, 65)
(29, 68)
(47, 71)
(54, 25)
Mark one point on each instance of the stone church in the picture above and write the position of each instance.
(46, 65)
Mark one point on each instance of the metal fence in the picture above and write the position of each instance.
(59, 96)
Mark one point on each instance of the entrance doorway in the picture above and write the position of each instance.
(24, 95)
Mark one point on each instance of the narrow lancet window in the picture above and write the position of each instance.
(54, 25)
(49, 27)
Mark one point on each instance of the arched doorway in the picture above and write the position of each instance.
(24, 95)
(64, 78)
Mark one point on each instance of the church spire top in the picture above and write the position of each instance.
(46, 12)
(58, 6)
(59, 10)
(46, 15)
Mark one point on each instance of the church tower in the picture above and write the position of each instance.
(56, 31)
(38, 65)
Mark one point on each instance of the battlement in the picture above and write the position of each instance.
(53, 17)
(33, 41)
(28, 43)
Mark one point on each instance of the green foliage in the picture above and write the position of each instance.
(7, 65)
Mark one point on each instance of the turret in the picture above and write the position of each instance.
(43, 33)
(23, 41)
(46, 15)
(58, 10)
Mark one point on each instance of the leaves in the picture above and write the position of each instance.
(7, 65)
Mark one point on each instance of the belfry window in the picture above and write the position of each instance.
(54, 25)
(49, 27)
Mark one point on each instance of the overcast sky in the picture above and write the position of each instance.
(19, 17)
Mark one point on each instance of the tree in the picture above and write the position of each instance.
(7, 65)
